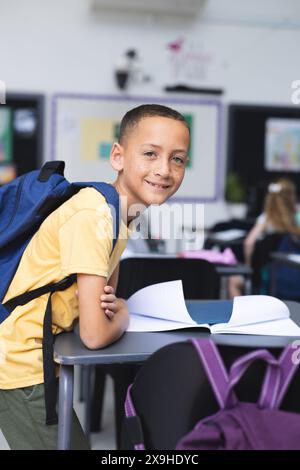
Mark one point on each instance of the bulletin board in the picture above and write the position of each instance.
(85, 126)
(263, 146)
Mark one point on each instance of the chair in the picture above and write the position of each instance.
(261, 258)
(171, 393)
(200, 281)
(199, 277)
(236, 245)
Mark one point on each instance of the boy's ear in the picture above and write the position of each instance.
(116, 157)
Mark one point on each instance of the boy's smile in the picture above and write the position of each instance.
(157, 186)
(151, 162)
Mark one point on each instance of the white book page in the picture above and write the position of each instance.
(248, 309)
(164, 300)
(228, 235)
(142, 323)
(285, 327)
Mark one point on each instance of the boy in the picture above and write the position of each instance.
(150, 159)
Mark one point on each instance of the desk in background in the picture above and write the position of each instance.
(133, 348)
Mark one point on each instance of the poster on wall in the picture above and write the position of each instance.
(98, 136)
(282, 145)
(5, 135)
(86, 126)
(7, 173)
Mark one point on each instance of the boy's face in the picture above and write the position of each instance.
(151, 162)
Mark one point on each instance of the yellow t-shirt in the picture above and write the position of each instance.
(75, 238)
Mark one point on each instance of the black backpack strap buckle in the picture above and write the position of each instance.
(57, 166)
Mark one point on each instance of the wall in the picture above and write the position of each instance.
(249, 49)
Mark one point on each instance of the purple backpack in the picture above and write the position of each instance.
(240, 425)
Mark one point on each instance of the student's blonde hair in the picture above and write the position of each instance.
(280, 206)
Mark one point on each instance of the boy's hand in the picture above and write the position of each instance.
(112, 305)
(109, 302)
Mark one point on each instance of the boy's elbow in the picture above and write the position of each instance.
(93, 342)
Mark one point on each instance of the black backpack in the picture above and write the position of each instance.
(171, 393)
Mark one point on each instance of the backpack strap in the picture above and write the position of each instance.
(48, 339)
(112, 198)
(289, 366)
(271, 382)
(23, 299)
(133, 423)
(56, 166)
(50, 385)
(214, 368)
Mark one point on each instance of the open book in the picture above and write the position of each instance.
(161, 307)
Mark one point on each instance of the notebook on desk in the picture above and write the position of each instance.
(162, 307)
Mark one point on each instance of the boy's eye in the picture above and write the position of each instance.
(149, 154)
(179, 160)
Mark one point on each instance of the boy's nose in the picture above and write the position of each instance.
(162, 169)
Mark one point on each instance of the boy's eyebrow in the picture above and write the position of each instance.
(151, 145)
(159, 147)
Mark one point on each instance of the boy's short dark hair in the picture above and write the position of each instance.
(133, 117)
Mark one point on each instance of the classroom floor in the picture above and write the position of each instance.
(104, 440)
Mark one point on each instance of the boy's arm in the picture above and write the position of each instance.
(250, 240)
(113, 280)
(95, 328)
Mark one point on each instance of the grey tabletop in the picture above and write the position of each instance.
(137, 347)
(225, 243)
(227, 270)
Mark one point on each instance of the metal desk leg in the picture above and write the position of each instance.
(89, 378)
(223, 287)
(65, 407)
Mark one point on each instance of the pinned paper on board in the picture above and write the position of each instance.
(97, 138)
(282, 145)
(5, 135)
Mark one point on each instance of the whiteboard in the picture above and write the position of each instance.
(84, 126)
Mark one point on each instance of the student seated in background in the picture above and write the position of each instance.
(280, 216)
(150, 159)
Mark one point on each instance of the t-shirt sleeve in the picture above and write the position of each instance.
(86, 242)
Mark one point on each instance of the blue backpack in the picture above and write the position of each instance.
(24, 205)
